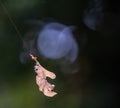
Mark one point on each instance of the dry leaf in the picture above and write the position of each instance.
(42, 74)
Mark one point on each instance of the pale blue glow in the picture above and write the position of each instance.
(93, 15)
(56, 41)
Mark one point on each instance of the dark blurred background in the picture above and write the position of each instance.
(91, 81)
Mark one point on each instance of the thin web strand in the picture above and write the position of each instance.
(11, 20)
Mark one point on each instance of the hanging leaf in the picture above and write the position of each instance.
(42, 74)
